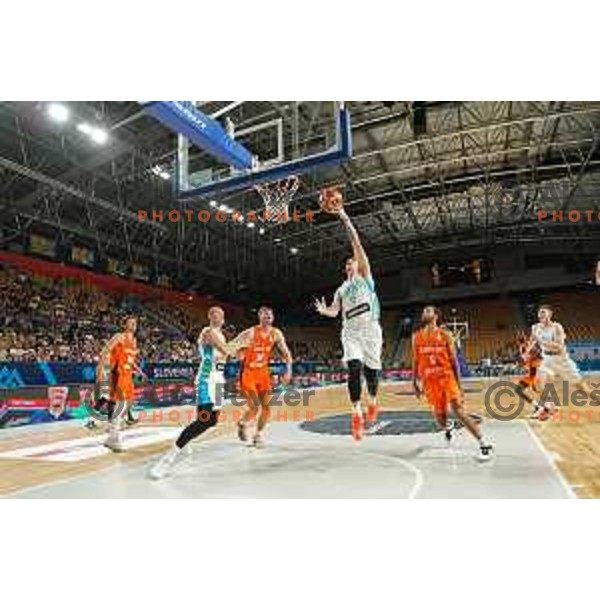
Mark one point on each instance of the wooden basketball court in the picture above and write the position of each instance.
(310, 454)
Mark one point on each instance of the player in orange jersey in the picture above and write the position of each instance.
(123, 352)
(255, 377)
(531, 358)
(436, 375)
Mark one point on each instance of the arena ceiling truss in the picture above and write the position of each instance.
(425, 177)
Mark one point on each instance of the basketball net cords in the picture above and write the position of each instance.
(278, 195)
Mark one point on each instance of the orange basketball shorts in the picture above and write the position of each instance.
(440, 391)
(531, 379)
(124, 388)
(255, 383)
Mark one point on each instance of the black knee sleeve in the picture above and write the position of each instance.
(354, 380)
(207, 418)
(372, 379)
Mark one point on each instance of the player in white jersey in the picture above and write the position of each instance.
(556, 362)
(210, 390)
(362, 338)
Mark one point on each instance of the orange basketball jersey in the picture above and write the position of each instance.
(433, 357)
(531, 359)
(258, 354)
(123, 355)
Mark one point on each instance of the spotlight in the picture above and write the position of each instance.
(160, 172)
(223, 208)
(261, 230)
(213, 203)
(95, 133)
(250, 225)
(294, 250)
(99, 135)
(84, 128)
(58, 112)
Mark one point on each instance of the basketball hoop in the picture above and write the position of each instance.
(458, 330)
(277, 196)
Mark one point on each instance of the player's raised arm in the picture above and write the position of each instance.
(328, 311)
(364, 268)
(285, 353)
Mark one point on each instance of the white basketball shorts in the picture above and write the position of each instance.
(559, 365)
(364, 344)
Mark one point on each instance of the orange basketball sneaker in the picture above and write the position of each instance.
(372, 413)
(358, 428)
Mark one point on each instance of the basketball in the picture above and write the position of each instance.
(331, 200)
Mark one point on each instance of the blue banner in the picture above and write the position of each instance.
(14, 375)
(586, 354)
(24, 374)
(202, 131)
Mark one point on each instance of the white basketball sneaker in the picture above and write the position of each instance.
(486, 452)
(113, 440)
(450, 427)
(164, 466)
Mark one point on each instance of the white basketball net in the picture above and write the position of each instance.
(277, 196)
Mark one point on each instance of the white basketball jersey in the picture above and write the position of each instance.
(358, 301)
